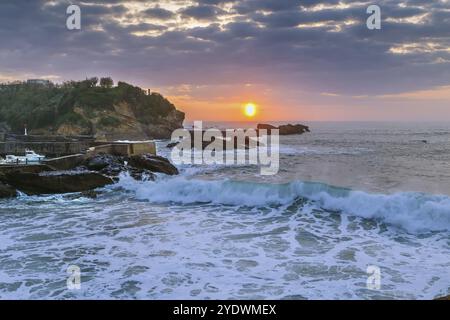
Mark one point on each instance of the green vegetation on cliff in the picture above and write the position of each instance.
(89, 105)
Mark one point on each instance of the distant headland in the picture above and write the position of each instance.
(90, 107)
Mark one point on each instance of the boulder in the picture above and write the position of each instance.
(287, 129)
(113, 166)
(6, 191)
(153, 163)
(101, 161)
(56, 181)
(141, 174)
(113, 170)
(264, 126)
(293, 129)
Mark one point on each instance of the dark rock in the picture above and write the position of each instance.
(141, 174)
(56, 182)
(113, 170)
(101, 161)
(6, 191)
(293, 129)
(153, 163)
(264, 126)
(92, 194)
(106, 164)
(287, 129)
(139, 167)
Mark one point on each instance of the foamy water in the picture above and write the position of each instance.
(345, 198)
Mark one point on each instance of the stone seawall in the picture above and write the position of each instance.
(62, 149)
(49, 149)
(9, 137)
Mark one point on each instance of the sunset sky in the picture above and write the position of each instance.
(294, 59)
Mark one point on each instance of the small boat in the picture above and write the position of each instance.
(11, 159)
(30, 157)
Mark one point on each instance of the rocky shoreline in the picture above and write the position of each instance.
(101, 169)
(94, 172)
(283, 130)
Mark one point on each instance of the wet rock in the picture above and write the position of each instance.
(6, 191)
(56, 181)
(141, 174)
(138, 167)
(101, 161)
(94, 172)
(106, 164)
(153, 163)
(113, 170)
(287, 129)
(92, 194)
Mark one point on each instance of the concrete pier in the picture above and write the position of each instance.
(60, 146)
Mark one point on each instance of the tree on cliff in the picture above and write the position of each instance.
(106, 82)
(91, 82)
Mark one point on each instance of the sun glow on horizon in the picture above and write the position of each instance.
(250, 110)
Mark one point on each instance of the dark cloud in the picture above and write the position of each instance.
(236, 41)
(202, 12)
(159, 13)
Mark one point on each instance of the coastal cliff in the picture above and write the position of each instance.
(88, 107)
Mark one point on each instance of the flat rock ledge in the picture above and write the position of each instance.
(7, 191)
(56, 182)
(93, 172)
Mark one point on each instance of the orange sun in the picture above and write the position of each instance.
(250, 110)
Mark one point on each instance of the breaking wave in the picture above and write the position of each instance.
(415, 212)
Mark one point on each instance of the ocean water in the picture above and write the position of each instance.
(348, 196)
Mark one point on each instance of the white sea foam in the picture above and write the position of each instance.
(415, 212)
(196, 239)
